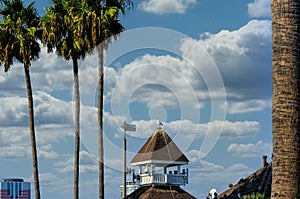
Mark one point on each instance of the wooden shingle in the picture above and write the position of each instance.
(160, 148)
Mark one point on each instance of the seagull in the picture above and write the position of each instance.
(160, 124)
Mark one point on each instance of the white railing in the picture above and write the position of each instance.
(176, 179)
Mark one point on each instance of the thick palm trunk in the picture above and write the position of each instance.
(77, 126)
(100, 121)
(286, 99)
(32, 134)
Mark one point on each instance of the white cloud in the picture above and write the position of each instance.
(47, 154)
(203, 71)
(212, 175)
(237, 55)
(15, 152)
(50, 73)
(50, 179)
(54, 186)
(15, 144)
(247, 106)
(250, 150)
(23, 151)
(53, 122)
(188, 129)
(163, 80)
(87, 164)
(166, 6)
(13, 82)
(13, 111)
(178, 81)
(47, 109)
(260, 8)
(47, 73)
(237, 129)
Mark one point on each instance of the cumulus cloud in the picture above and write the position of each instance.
(167, 80)
(161, 7)
(15, 152)
(47, 73)
(50, 73)
(247, 106)
(250, 150)
(13, 111)
(211, 172)
(237, 129)
(56, 186)
(48, 111)
(206, 69)
(212, 175)
(163, 80)
(87, 164)
(53, 122)
(15, 144)
(188, 129)
(260, 8)
(237, 54)
(23, 151)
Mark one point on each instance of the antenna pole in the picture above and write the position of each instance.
(124, 161)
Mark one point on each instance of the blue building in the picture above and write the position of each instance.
(14, 189)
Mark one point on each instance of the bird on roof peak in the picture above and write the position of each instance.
(159, 124)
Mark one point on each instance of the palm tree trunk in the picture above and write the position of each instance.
(286, 99)
(100, 120)
(77, 126)
(32, 133)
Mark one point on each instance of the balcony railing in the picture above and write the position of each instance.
(175, 179)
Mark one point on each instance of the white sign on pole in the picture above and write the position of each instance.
(129, 127)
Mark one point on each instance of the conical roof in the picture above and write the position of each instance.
(160, 149)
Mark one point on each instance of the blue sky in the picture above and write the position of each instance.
(201, 67)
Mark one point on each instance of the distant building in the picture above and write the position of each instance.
(257, 182)
(14, 189)
(162, 169)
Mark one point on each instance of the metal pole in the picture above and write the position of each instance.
(124, 161)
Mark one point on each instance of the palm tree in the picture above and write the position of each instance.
(18, 40)
(286, 99)
(107, 14)
(112, 30)
(99, 20)
(88, 23)
(62, 30)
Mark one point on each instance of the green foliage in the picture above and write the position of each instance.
(76, 27)
(19, 32)
(255, 196)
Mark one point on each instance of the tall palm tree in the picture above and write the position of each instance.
(114, 29)
(99, 21)
(286, 99)
(62, 30)
(19, 32)
(107, 13)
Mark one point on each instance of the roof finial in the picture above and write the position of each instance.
(159, 124)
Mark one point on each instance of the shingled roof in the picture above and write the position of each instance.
(159, 192)
(257, 182)
(159, 148)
